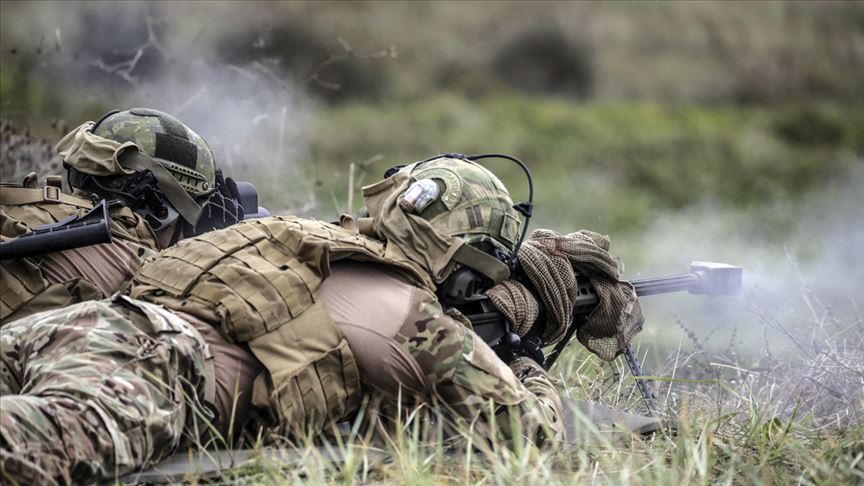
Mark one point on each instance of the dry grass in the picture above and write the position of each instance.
(742, 416)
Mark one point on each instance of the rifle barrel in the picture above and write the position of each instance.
(665, 285)
(587, 298)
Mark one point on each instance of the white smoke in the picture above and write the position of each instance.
(138, 54)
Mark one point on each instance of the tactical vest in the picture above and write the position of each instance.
(258, 281)
(24, 290)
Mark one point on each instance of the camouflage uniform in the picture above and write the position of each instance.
(258, 283)
(98, 389)
(102, 158)
(84, 392)
(409, 352)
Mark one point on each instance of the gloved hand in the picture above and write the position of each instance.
(521, 309)
(552, 262)
(222, 208)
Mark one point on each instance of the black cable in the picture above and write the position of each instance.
(525, 209)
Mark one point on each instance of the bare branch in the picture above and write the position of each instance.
(349, 53)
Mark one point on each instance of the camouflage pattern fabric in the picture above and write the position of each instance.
(473, 204)
(150, 130)
(24, 287)
(543, 412)
(96, 390)
(94, 148)
(472, 209)
(469, 380)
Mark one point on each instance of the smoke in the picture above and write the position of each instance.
(794, 339)
(254, 121)
(121, 55)
(810, 245)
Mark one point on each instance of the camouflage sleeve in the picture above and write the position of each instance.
(468, 379)
(545, 409)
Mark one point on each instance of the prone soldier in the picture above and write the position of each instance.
(164, 177)
(314, 317)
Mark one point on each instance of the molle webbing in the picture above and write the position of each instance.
(252, 277)
(24, 290)
(258, 282)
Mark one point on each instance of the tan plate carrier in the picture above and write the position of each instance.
(24, 290)
(257, 281)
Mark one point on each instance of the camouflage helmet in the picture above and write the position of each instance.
(167, 140)
(461, 198)
(449, 216)
(154, 163)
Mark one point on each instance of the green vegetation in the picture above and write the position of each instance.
(609, 166)
(736, 424)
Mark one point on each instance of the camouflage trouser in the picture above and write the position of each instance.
(96, 390)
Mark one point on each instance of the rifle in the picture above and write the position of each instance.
(705, 278)
(93, 228)
(249, 201)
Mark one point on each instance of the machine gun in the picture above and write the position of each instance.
(705, 278)
(93, 228)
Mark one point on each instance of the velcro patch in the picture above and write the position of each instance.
(175, 149)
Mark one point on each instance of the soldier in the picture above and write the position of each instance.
(162, 172)
(316, 315)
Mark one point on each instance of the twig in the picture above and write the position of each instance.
(348, 53)
(124, 69)
(189, 101)
(350, 188)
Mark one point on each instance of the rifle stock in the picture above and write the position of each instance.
(91, 228)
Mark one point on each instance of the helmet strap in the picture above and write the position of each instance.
(174, 192)
(491, 267)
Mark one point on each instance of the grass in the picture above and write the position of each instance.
(741, 418)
